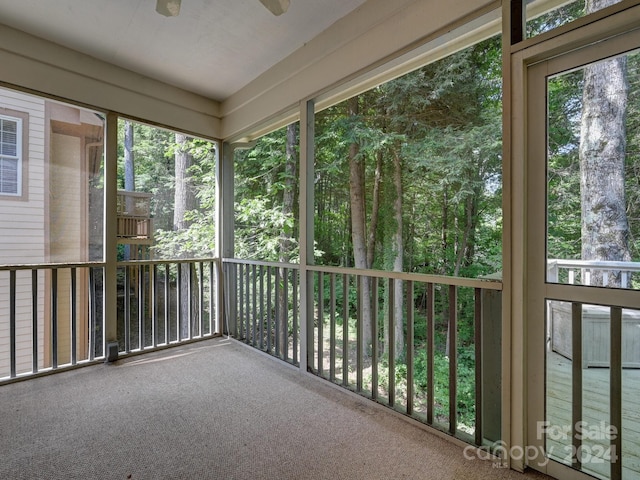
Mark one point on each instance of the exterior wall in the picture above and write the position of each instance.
(24, 241)
(23, 232)
(47, 224)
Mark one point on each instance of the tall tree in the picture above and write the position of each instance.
(184, 202)
(358, 222)
(129, 170)
(398, 253)
(129, 174)
(605, 228)
(286, 234)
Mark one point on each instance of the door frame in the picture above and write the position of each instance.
(525, 236)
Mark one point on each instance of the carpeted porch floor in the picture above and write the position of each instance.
(213, 410)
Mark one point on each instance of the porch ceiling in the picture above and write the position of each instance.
(213, 48)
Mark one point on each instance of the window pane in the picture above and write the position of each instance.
(545, 15)
(8, 137)
(8, 176)
(593, 219)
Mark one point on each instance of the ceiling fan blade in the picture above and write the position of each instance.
(277, 7)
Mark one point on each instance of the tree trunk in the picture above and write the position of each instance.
(286, 246)
(184, 197)
(444, 243)
(129, 175)
(605, 228)
(358, 225)
(398, 250)
(185, 201)
(375, 211)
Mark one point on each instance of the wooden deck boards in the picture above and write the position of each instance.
(595, 398)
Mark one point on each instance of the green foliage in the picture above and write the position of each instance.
(465, 385)
(443, 121)
(264, 230)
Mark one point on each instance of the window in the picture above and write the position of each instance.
(10, 156)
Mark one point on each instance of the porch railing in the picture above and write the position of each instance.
(54, 314)
(437, 375)
(55, 317)
(262, 303)
(163, 302)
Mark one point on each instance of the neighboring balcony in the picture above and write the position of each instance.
(135, 225)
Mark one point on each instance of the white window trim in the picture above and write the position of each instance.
(18, 156)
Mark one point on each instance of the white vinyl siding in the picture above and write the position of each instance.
(10, 156)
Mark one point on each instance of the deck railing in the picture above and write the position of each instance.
(55, 317)
(437, 378)
(582, 272)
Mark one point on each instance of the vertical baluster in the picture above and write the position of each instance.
(34, 321)
(572, 276)
(391, 346)
(478, 360)
(320, 322)
(295, 316)
(127, 309)
(12, 323)
(167, 302)
(375, 305)
(409, 355)
(285, 313)
(615, 392)
(262, 300)
(189, 306)
(332, 327)
(345, 329)
(213, 304)
(277, 319)
(453, 359)
(240, 317)
(247, 304)
(74, 317)
(254, 303)
(141, 310)
(92, 313)
(430, 352)
(201, 299)
(269, 309)
(179, 310)
(153, 283)
(54, 318)
(359, 331)
(576, 375)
